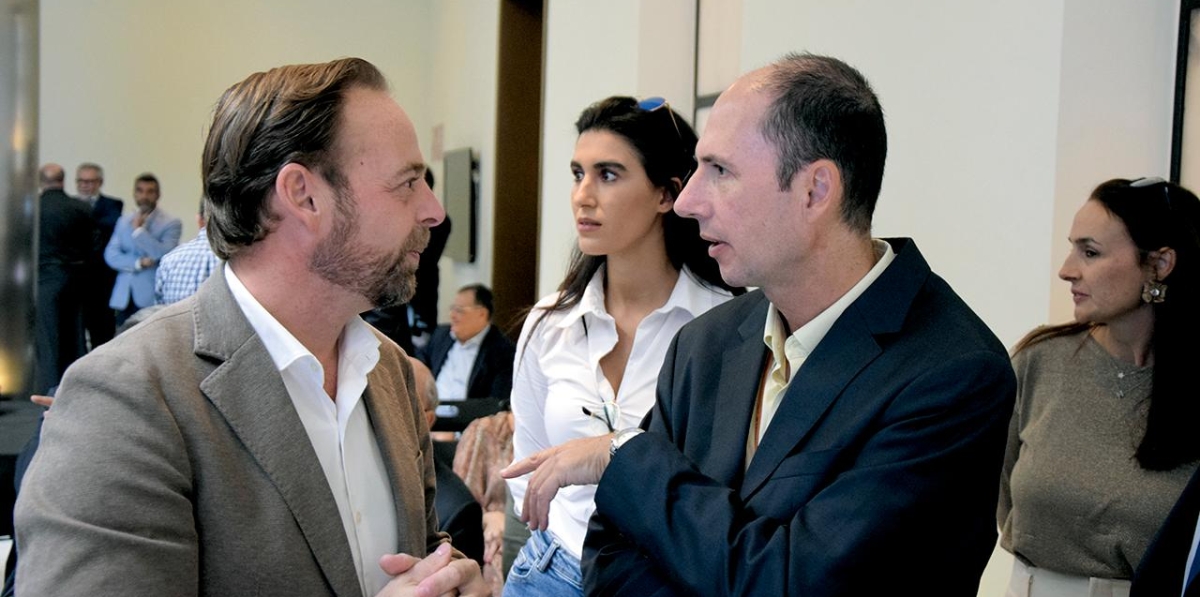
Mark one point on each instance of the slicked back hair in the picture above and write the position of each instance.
(289, 114)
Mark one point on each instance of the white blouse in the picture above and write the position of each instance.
(557, 374)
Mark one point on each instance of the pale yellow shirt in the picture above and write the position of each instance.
(790, 352)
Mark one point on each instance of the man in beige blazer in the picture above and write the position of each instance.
(258, 438)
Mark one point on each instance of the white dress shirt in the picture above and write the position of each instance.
(456, 371)
(339, 430)
(790, 351)
(1187, 569)
(557, 374)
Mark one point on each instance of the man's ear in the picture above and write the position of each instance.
(823, 181)
(294, 188)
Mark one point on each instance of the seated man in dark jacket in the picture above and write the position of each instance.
(470, 358)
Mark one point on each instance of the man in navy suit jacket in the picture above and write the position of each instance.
(138, 243)
(470, 358)
(839, 431)
(98, 278)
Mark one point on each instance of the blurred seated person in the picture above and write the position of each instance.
(484, 448)
(459, 514)
(182, 271)
(470, 358)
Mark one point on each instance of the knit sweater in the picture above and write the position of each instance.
(1073, 497)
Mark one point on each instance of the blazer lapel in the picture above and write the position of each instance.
(845, 351)
(740, 374)
(397, 443)
(849, 347)
(250, 394)
(477, 367)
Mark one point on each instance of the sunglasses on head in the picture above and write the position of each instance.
(1147, 182)
(652, 104)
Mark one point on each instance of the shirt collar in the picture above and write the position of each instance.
(357, 340)
(809, 335)
(477, 339)
(687, 295)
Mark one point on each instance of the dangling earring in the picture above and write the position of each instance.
(1154, 292)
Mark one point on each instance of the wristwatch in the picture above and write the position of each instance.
(619, 438)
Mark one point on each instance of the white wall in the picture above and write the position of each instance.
(131, 84)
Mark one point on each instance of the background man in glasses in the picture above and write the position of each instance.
(838, 432)
(470, 358)
(98, 319)
(258, 437)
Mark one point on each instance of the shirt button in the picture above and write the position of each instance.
(357, 517)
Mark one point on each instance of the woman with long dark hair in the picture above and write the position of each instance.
(588, 356)
(1103, 438)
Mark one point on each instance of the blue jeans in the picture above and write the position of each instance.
(543, 569)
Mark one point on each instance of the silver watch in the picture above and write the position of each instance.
(619, 438)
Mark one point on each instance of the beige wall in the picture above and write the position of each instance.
(131, 83)
(461, 93)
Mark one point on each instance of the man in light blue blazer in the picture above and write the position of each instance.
(138, 243)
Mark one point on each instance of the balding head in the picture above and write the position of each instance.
(426, 389)
(51, 176)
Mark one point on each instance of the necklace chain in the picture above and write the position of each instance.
(1137, 378)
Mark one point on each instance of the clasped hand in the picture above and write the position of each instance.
(437, 574)
(577, 462)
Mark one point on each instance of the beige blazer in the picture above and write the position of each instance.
(174, 463)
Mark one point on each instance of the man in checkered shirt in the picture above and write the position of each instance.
(181, 271)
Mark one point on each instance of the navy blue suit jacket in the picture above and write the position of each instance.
(1161, 569)
(882, 461)
(491, 375)
(105, 214)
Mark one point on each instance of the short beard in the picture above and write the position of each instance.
(383, 279)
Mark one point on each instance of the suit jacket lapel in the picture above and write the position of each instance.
(396, 443)
(480, 359)
(739, 377)
(250, 394)
(849, 347)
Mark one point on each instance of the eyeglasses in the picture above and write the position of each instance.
(460, 309)
(653, 104)
(87, 180)
(609, 414)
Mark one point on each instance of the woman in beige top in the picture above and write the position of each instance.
(1102, 442)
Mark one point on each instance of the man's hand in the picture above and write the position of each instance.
(577, 462)
(45, 401)
(139, 219)
(435, 575)
(145, 262)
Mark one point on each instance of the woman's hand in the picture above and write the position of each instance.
(577, 462)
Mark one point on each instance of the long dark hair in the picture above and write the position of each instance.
(666, 147)
(1159, 214)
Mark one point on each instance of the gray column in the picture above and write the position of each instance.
(18, 191)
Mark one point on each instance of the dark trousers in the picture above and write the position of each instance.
(58, 329)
